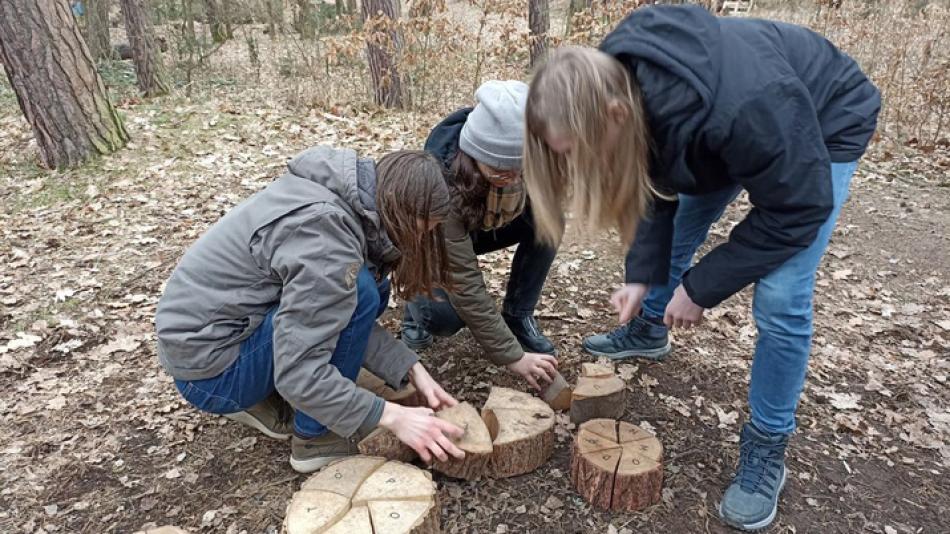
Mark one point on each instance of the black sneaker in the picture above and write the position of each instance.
(413, 334)
(529, 335)
(639, 338)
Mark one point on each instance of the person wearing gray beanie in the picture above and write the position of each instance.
(481, 150)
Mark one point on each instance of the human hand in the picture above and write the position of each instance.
(627, 300)
(427, 435)
(682, 311)
(535, 367)
(429, 389)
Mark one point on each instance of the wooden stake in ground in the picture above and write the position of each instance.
(616, 465)
(365, 494)
(599, 394)
(522, 430)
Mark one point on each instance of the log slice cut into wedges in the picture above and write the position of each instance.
(407, 396)
(622, 474)
(365, 494)
(476, 442)
(522, 431)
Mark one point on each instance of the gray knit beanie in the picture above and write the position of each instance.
(494, 131)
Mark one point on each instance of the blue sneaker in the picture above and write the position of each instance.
(751, 501)
(413, 334)
(640, 338)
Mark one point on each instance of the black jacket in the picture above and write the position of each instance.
(762, 104)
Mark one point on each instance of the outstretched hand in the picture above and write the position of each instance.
(628, 299)
(430, 390)
(429, 436)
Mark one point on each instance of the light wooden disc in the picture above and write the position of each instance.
(596, 369)
(476, 438)
(588, 387)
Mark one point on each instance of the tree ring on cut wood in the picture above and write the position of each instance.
(365, 494)
(616, 465)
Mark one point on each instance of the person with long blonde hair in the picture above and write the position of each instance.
(654, 134)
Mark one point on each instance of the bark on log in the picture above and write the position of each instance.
(382, 442)
(617, 466)
(522, 431)
(558, 394)
(407, 396)
(599, 394)
(476, 443)
(365, 494)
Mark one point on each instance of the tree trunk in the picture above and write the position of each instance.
(305, 21)
(56, 83)
(351, 6)
(97, 29)
(219, 30)
(538, 23)
(383, 42)
(149, 70)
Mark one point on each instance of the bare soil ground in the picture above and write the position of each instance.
(94, 438)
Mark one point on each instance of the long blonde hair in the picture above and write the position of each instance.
(573, 93)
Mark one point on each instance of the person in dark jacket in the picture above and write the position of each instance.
(676, 114)
(277, 303)
(481, 150)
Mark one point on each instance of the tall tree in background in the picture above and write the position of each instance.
(217, 21)
(149, 70)
(56, 84)
(97, 29)
(382, 44)
(305, 19)
(539, 22)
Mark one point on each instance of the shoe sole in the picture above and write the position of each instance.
(313, 464)
(248, 420)
(758, 525)
(658, 355)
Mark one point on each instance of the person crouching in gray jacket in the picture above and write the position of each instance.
(277, 303)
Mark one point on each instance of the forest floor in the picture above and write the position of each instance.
(94, 438)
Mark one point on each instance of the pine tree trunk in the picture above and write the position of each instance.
(97, 29)
(56, 83)
(539, 23)
(306, 19)
(219, 31)
(149, 70)
(382, 45)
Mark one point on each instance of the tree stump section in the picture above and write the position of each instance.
(382, 442)
(522, 431)
(617, 466)
(407, 396)
(365, 494)
(558, 394)
(599, 394)
(476, 443)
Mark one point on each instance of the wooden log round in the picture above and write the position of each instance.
(617, 466)
(599, 394)
(365, 494)
(407, 396)
(558, 394)
(383, 443)
(522, 431)
(476, 442)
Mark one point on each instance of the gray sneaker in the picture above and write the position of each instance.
(272, 416)
(310, 454)
(751, 501)
(639, 338)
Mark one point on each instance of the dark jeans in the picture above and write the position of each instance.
(250, 379)
(529, 269)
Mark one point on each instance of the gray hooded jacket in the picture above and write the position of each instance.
(297, 245)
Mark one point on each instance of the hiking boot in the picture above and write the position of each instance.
(751, 501)
(640, 338)
(272, 416)
(525, 328)
(310, 454)
(413, 334)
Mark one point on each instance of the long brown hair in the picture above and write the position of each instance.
(410, 191)
(469, 190)
(572, 93)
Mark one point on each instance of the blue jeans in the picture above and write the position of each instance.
(250, 379)
(781, 306)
